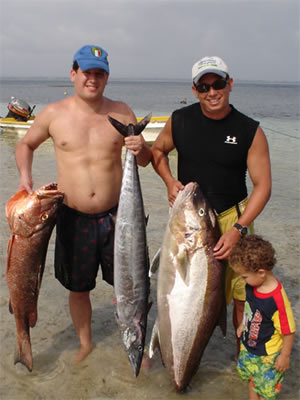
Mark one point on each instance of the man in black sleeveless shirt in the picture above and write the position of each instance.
(216, 145)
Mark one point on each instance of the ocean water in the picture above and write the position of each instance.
(259, 100)
(106, 373)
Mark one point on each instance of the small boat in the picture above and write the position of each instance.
(153, 128)
(19, 117)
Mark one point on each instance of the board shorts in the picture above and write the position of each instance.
(261, 372)
(234, 283)
(83, 241)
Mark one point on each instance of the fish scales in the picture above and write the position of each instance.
(31, 219)
(190, 293)
(131, 261)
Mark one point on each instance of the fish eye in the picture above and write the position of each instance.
(140, 348)
(201, 212)
(44, 217)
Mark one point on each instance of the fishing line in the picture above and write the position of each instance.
(283, 134)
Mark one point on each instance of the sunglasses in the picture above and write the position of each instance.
(219, 84)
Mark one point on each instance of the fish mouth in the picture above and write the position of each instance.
(188, 192)
(135, 358)
(49, 190)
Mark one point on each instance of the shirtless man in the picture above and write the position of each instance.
(89, 167)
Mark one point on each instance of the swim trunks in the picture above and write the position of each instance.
(83, 241)
(234, 283)
(261, 372)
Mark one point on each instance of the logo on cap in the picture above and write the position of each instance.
(96, 52)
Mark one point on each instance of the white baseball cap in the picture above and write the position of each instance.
(209, 65)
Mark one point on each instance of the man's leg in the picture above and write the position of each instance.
(81, 313)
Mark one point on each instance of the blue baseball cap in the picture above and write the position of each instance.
(89, 57)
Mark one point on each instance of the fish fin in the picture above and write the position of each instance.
(33, 318)
(150, 302)
(222, 322)
(212, 217)
(34, 315)
(117, 318)
(9, 249)
(155, 263)
(146, 219)
(154, 341)
(182, 265)
(40, 275)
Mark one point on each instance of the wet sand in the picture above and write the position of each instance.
(106, 372)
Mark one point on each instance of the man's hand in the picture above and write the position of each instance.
(26, 184)
(134, 143)
(226, 243)
(174, 188)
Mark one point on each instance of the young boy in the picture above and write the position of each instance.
(268, 327)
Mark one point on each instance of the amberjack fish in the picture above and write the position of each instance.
(31, 220)
(131, 260)
(190, 286)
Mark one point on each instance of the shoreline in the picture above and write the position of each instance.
(106, 373)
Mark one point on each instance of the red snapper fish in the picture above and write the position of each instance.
(31, 218)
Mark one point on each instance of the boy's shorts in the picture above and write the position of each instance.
(234, 283)
(83, 241)
(261, 372)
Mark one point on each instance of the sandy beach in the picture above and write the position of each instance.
(106, 373)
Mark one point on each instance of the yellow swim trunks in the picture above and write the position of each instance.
(234, 284)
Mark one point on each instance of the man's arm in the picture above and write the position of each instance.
(259, 168)
(160, 150)
(36, 134)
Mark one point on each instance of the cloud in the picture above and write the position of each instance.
(152, 39)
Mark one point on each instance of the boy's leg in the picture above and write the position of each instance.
(252, 394)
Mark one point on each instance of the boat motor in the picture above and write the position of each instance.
(19, 110)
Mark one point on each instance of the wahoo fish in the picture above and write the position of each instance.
(131, 260)
(31, 218)
(190, 287)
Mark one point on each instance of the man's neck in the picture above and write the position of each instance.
(92, 106)
(217, 115)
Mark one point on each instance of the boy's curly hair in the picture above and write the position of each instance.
(253, 253)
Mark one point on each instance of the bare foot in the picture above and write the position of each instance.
(83, 352)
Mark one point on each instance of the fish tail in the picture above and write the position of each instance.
(23, 353)
(129, 130)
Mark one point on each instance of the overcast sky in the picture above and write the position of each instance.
(258, 39)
